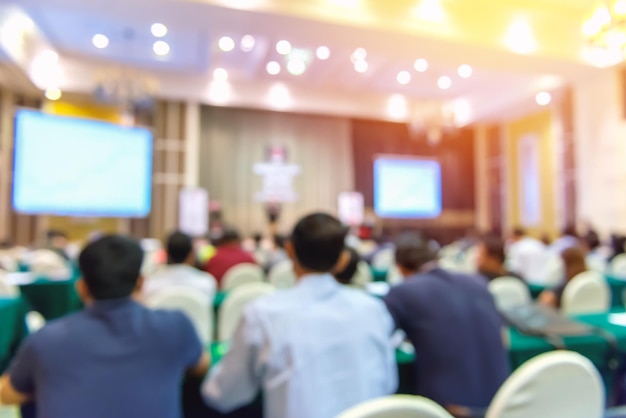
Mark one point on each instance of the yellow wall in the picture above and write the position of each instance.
(78, 229)
(541, 125)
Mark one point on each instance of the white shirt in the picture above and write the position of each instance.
(528, 257)
(316, 350)
(181, 275)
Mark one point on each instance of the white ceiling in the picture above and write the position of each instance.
(501, 80)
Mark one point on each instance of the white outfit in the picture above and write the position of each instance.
(528, 257)
(181, 275)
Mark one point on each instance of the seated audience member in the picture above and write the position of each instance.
(452, 321)
(568, 239)
(574, 263)
(347, 267)
(527, 256)
(57, 242)
(277, 254)
(228, 254)
(595, 253)
(115, 358)
(179, 271)
(491, 257)
(618, 246)
(315, 349)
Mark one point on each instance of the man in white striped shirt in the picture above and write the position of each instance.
(314, 350)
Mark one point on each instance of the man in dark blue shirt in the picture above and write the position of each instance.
(115, 358)
(451, 320)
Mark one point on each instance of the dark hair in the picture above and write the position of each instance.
(279, 241)
(228, 236)
(574, 262)
(345, 276)
(55, 233)
(570, 231)
(111, 266)
(179, 246)
(519, 232)
(592, 240)
(617, 245)
(494, 247)
(413, 251)
(318, 241)
(257, 237)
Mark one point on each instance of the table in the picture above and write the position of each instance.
(617, 285)
(51, 298)
(13, 328)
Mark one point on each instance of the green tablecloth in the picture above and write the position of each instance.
(616, 284)
(379, 275)
(51, 298)
(12, 328)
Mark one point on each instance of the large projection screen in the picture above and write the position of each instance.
(407, 187)
(80, 167)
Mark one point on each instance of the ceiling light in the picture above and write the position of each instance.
(247, 43)
(219, 92)
(619, 8)
(322, 53)
(283, 47)
(100, 41)
(359, 54)
(519, 37)
(404, 77)
(279, 96)
(360, 66)
(420, 65)
(53, 93)
(226, 43)
(273, 68)
(431, 11)
(161, 48)
(543, 98)
(465, 71)
(345, 3)
(296, 66)
(397, 107)
(47, 57)
(444, 82)
(158, 30)
(220, 74)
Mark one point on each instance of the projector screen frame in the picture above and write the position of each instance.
(408, 158)
(83, 214)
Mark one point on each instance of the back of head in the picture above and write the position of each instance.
(179, 247)
(574, 262)
(617, 244)
(318, 241)
(111, 266)
(349, 269)
(279, 241)
(413, 251)
(519, 233)
(592, 241)
(570, 231)
(494, 247)
(227, 237)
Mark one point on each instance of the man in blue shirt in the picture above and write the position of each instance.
(115, 358)
(315, 349)
(452, 321)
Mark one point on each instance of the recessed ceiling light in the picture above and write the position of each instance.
(322, 53)
(397, 107)
(296, 66)
(161, 48)
(465, 71)
(219, 92)
(444, 82)
(279, 96)
(100, 41)
(158, 30)
(361, 66)
(220, 74)
(247, 43)
(273, 68)
(420, 65)
(404, 77)
(53, 93)
(226, 43)
(543, 98)
(359, 54)
(283, 47)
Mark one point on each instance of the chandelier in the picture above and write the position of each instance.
(433, 120)
(605, 30)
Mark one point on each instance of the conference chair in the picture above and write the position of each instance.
(230, 311)
(363, 275)
(394, 276)
(7, 289)
(49, 264)
(241, 274)
(618, 266)
(282, 275)
(588, 292)
(509, 292)
(192, 303)
(554, 271)
(34, 321)
(384, 259)
(558, 384)
(397, 406)
(596, 262)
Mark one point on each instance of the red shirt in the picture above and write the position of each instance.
(226, 257)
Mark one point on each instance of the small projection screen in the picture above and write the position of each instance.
(407, 187)
(80, 167)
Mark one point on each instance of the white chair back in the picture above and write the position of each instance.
(234, 304)
(7, 289)
(618, 266)
(384, 259)
(282, 275)
(242, 274)
(509, 292)
(588, 292)
(558, 384)
(34, 321)
(394, 276)
(397, 406)
(192, 303)
(554, 271)
(596, 262)
(362, 276)
(48, 263)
